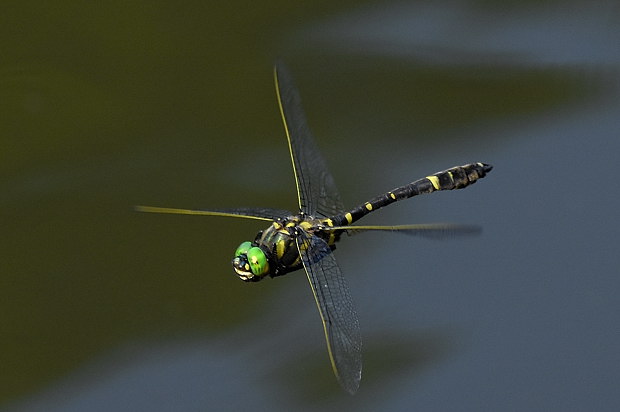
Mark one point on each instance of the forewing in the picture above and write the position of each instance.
(261, 212)
(340, 322)
(241, 212)
(316, 189)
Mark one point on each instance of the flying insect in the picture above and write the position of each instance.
(306, 239)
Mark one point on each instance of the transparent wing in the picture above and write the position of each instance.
(241, 212)
(340, 322)
(316, 190)
(428, 230)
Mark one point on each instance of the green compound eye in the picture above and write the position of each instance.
(243, 248)
(258, 261)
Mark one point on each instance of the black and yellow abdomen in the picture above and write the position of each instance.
(457, 177)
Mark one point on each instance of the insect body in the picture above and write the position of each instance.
(308, 238)
(274, 251)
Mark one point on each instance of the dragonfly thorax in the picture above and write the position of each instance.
(274, 251)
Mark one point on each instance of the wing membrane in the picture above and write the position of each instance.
(316, 190)
(241, 212)
(340, 322)
(429, 230)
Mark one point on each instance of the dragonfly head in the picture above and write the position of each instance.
(250, 262)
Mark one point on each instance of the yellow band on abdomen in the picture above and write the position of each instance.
(434, 181)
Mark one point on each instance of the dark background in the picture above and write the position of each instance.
(111, 104)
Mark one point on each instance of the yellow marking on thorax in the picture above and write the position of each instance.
(332, 234)
(303, 246)
(280, 248)
(451, 176)
(277, 226)
(368, 206)
(434, 181)
(392, 195)
(305, 224)
(349, 218)
(332, 239)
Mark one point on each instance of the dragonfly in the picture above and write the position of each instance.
(307, 239)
